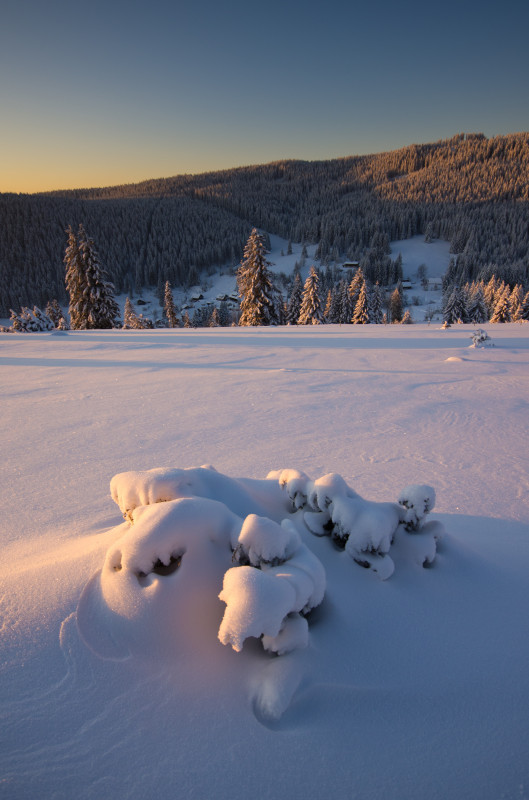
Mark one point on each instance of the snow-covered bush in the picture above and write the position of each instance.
(195, 539)
(366, 530)
(29, 321)
(480, 338)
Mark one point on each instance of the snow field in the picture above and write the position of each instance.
(410, 687)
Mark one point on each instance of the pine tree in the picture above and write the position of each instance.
(255, 286)
(515, 302)
(54, 312)
(455, 309)
(377, 302)
(477, 308)
(224, 314)
(406, 318)
(328, 304)
(489, 294)
(294, 303)
(361, 312)
(43, 320)
(16, 322)
(355, 286)
(346, 308)
(395, 306)
(130, 318)
(74, 279)
(524, 309)
(310, 311)
(168, 306)
(502, 311)
(92, 303)
(214, 320)
(333, 315)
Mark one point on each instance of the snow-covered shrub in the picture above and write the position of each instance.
(480, 338)
(29, 321)
(195, 539)
(364, 529)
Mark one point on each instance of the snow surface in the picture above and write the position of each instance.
(411, 687)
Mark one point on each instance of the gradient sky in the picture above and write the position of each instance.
(107, 92)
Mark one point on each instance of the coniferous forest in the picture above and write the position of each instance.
(469, 190)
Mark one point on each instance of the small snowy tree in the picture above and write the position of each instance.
(355, 286)
(361, 312)
(455, 309)
(477, 308)
(54, 312)
(92, 303)
(395, 306)
(377, 301)
(502, 309)
(168, 306)
(255, 286)
(311, 312)
(130, 318)
(294, 303)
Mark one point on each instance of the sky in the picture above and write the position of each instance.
(112, 92)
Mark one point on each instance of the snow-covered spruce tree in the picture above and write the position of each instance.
(361, 312)
(75, 283)
(377, 302)
(455, 309)
(395, 306)
(502, 310)
(294, 303)
(524, 309)
(356, 284)
(92, 305)
(224, 314)
(43, 320)
(214, 320)
(328, 304)
(168, 306)
(477, 308)
(255, 286)
(311, 312)
(54, 312)
(130, 318)
(16, 322)
(515, 302)
(346, 309)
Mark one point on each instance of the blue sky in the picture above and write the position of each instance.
(112, 92)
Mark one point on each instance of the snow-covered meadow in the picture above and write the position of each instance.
(114, 679)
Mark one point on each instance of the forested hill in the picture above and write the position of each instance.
(470, 190)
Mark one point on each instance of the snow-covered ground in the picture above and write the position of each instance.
(113, 678)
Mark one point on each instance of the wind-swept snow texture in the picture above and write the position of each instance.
(394, 681)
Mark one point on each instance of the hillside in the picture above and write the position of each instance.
(469, 190)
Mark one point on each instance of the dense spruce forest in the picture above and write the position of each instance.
(469, 190)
